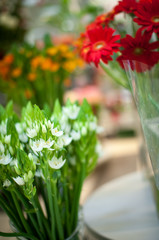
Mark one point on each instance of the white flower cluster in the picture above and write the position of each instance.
(41, 142)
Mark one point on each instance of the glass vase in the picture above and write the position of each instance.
(144, 84)
(78, 233)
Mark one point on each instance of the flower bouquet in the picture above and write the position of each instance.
(44, 159)
(137, 53)
(40, 75)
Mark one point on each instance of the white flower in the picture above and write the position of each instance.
(56, 132)
(19, 128)
(5, 159)
(48, 143)
(71, 111)
(6, 183)
(92, 126)
(14, 163)
(19, 181)
(84, 131)
(3, 128)
(37, 146)
(75, 135)
(44, 128)
(23, 138)
(31, 133)
(7, 139)
(66, 140)
(49, 124)
(100, 129)
(56, 163)
(39, 173)
(1, 148)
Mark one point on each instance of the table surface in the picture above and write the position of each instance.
(123, 209)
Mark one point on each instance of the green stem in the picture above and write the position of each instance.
(10, 214)
(57, 212)
(66, 199)
(49, 190)
(75, 207)
(38, 216)
(42, 216)
(28, 236)
(32, 216)
(113, 76)
(19, 210)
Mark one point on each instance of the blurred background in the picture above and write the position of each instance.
(34, 31)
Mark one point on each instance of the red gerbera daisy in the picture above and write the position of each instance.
(105, 18)
(128, 6)
(139, 49)
(100, 45)
(148, 15)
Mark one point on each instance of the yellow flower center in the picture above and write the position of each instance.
(99, 45)
(155, 19)
(138, 51)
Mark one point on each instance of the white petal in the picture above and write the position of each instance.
(56, 163)
(1, 148)
(23, 138)
(5, 159)
(31, 133)
(75, 135)
(67, 140)
(6, 183)
(19, 181)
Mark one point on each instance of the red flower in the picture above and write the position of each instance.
(128, 6)
(148, 15)
(105, 18)
(100, 45)
(139, 49)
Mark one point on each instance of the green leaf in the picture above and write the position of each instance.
(47, 111)
(11, 130)
(57, 108)
(9, 108)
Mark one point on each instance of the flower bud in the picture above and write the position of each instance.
(7, 139)
(44, 129)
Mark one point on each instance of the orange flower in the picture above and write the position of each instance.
(4, 71)
(52, 51)
(36, 61)
(54, 67)
(80, 62)
(8, 59)
(67, 82)
(16, 72)
(68, 54)
(28, 93)
(63, 48)
(46, 64)
(69, 66)
(31, 77)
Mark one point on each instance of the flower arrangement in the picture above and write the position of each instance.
(38, 74)
(44, 159)
(103, 46)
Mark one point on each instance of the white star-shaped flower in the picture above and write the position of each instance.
(31, 133)
(5, 159)
(75, 135)
(56, 132)
(71, 111)
(56, 163)
(19, 181)
(6, 183)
